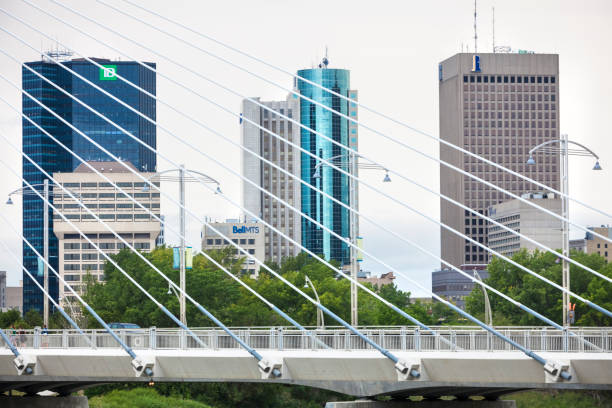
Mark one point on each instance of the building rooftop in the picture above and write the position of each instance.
(105, 167)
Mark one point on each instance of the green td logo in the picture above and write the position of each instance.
(108, 73)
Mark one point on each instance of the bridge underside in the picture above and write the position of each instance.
(357, 373)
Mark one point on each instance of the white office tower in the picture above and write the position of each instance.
(271, 179)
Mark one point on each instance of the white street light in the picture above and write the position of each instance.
(564, 150)
(353, 164)
(185, 175)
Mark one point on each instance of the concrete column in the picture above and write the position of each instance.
(422, 404)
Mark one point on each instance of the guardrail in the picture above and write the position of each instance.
(280, 338)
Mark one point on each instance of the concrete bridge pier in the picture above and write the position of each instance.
(423, 404)
(37, 401)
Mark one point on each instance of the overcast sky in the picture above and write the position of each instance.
(392, 49)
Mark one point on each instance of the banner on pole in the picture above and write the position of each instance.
(176, 254)
(359, 251)
(189, 258)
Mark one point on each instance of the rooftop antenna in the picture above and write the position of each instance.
(475, 31)
(324, 62)
(493, 8)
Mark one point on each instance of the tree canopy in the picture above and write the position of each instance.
(541, 296)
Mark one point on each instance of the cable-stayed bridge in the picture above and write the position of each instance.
(420, 359)
(470, 362)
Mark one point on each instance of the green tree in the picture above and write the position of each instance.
(541, 296)
(33, 318)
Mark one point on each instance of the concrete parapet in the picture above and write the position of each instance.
(422, 404)
(44, 402)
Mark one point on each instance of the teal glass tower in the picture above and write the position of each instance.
(331, 181)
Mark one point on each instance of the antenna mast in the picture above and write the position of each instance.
(493, 29)
(475, 31)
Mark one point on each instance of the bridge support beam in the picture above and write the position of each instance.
(422, 404)
(44, 402)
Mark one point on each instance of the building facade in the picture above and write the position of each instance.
(53, 158)
(453, 286)
(78, 259)
(331, 181)
(248, 235)
(272, 179)
(529, 221)
(596, 245)
(498, 106)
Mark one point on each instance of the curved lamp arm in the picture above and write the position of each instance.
(559, 141)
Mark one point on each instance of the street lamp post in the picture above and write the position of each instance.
(564, 150)
(488, 314)
(320, 316)
(184, 175)
(26, 191)
(353, 165)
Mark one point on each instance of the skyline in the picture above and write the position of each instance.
(423, 115)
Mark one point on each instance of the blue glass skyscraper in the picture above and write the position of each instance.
(53, 158)
(331, 181)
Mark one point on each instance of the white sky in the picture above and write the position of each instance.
(392, 49)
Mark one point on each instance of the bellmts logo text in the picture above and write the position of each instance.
(244, 229)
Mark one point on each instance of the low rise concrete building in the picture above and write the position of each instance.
(77, 257)
(529, 221)
(383, 279)
(248, 235)
(599, 246)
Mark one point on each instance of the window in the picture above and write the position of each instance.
(210, 241)
(71, 245)
(142, 245)
(243, 241)
(71, 257)
(252, 241)
(252, 252)
(90, 257)
(107, 195)
(72, 278)
(142, 236)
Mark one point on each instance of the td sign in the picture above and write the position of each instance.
(108, 73)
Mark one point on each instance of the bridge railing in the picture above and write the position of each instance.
(402, 338)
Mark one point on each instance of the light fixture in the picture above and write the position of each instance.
(169, 291)
(597, 166)
(9, 201)
(387, 179)
(218, 190)
(317, 173)
(530, 161)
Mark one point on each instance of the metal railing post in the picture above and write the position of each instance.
(64, 338)
(280, 338)
(565, 339)
(417, 339)
(453, 336)
(403, 337)
(36, 340)
(153, 337)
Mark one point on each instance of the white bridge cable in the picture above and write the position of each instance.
(155, 151)
(263, 299)
(360, 104)
(474, 212)
(106, 256)
(125, 347)
(385, 352)
(316, 157)
(204, 126)
(249, 349)
(45, 293)
(253, 352)
(526, 201)
(526, 351)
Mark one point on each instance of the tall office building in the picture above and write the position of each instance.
(331, 181)
(271, 179)
(53, 158)
(498, 106)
